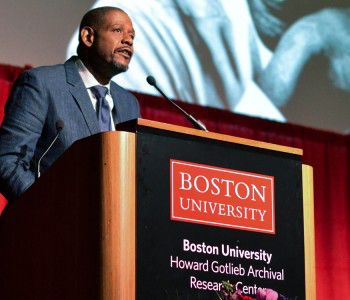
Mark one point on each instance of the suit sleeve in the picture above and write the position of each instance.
(24, 120)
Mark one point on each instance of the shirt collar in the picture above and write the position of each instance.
(88, 79)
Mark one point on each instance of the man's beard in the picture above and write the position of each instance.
(119, 68)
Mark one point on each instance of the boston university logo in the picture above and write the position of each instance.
(221, 197)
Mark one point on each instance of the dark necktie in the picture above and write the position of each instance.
(102, 107)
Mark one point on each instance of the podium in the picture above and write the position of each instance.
(158, 211)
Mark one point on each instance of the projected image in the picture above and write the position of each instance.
(278, 59)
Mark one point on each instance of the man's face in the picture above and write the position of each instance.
(113, 41)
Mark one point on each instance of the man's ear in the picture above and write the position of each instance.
(87, 36)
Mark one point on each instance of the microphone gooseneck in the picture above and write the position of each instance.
(59, 127)
(196, 123)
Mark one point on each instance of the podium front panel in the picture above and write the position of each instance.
(211, 211)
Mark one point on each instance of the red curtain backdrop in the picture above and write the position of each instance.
(327, 153)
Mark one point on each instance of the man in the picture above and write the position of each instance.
(78, 95)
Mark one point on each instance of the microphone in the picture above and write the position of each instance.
(59, 126)
(196, 123)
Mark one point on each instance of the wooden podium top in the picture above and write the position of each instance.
(219, 136)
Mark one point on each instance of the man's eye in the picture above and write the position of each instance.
(117, 30)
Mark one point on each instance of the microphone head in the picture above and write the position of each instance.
(151, 80)
(59, 125)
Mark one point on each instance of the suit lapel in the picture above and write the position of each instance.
(81, 96)
(116, 111)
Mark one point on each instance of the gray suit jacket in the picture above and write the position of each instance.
(40, 98)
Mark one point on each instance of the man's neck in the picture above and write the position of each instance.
(100, 76)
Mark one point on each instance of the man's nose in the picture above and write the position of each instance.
(127, 39)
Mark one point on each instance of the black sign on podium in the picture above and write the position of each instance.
(210, 211)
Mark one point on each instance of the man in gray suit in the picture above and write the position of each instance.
(78, 96)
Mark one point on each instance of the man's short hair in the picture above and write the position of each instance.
(94, 18)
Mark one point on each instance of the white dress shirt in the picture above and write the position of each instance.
(89, 81)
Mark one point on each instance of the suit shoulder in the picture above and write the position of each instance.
(45, 72)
